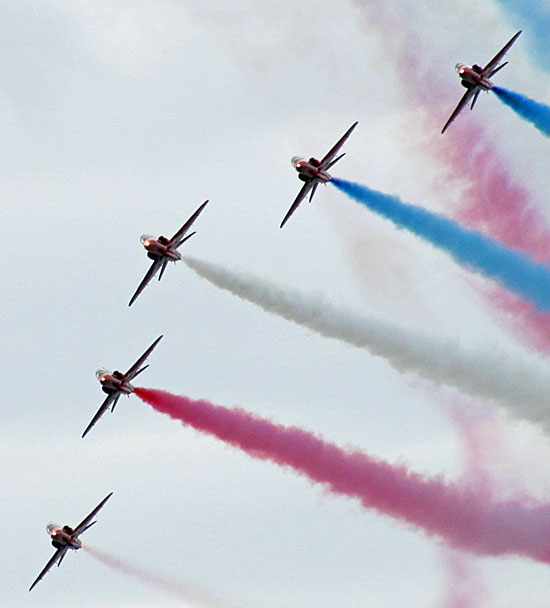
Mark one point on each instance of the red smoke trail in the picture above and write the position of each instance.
(186, 592)
(466, 518)
(489, 199)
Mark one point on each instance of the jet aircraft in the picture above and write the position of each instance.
(313, 172)
(163, 250)
(117, 383)
(476, 79)
(66, 538)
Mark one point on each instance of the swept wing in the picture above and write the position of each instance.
(489, 70)
(85, 523)
(461, 104)
(301, 195)
(327, 160)
(153, 269)
(112, 398)
(56, 557)
(178, 238)
(135, 369)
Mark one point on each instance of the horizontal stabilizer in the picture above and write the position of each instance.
(313, 191)
(186, 238)
(115, 402)
(335, 161)
(88, 526)
(163, 267)
(497, 69)
(476, 95)
(140, 370)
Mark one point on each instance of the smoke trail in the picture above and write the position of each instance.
(465, 585)
(187, 592)
(520, 381)
(461, 516)
(538, 114)
(512, 269)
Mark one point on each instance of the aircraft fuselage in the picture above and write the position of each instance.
(158, 248)
(113, 382)
(471, 76)
(310, 169)
(62, 538)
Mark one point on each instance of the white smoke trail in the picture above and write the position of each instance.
(518, 380)
(192, 595)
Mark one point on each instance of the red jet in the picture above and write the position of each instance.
(66, 538)
(313, 172)
(476, 79)
(117, 383)
(163, 250)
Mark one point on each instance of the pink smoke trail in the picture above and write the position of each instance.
(490, 201)
(480, 434)
(465, 518)
(186, 592)
(465, 587)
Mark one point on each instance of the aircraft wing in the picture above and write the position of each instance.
(325, 162)
(498, 57)
(104, 407)
(150, 274)
(301, 196)
(134, 370)
(85, 523)
(177, 239)
(461, 104)
(56, 557)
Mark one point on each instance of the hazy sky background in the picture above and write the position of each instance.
(120, 118)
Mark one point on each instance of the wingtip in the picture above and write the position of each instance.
(156, 342)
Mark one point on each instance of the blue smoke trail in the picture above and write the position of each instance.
(512, 269)
(536, 113)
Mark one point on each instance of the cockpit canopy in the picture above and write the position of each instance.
(51, 527)
(459, 67)
(295, 160)
(146, 237)
(100, 372)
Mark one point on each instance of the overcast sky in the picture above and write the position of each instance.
(120, 118)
